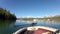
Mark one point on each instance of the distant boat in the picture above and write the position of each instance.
(35, 20)
(37, 30)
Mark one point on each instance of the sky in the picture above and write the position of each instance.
(32, 7)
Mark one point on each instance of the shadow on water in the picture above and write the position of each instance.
(5, 23)
(6, 26)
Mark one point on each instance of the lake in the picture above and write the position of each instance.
(8, 27)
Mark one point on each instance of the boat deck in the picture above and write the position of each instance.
(39, 31)
(42, 31)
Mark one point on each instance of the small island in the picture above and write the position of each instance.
(6, 15)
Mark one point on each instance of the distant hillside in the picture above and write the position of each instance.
(6, 15)
(56, 18)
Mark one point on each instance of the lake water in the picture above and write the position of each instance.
(8, 27)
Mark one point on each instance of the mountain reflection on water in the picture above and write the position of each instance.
(8, 27)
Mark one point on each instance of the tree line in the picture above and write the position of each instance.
(6, 15)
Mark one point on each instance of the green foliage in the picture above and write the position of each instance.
(4, 14)
(25, 18)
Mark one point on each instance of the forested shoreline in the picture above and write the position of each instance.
(6, 15)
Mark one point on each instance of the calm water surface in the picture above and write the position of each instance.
(8, 27)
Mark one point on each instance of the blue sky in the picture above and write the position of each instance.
(32, 7)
